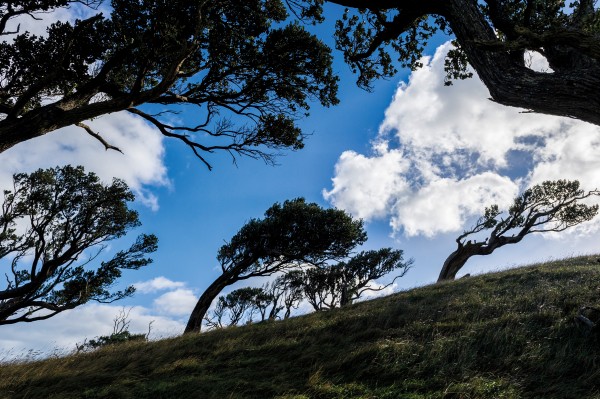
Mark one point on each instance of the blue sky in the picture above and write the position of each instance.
(417, 160)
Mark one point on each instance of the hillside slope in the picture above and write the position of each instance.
(502, 335)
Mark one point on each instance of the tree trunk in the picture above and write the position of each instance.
(454, 263)
(572, 92)
(195, 322)
(458, 258)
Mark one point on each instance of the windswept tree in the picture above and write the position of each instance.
(291, 235)
(550, 206)
(238, 306)
(343, 283)
(54, 224)
(491, 35)
(245, 74)
(286, 293)
(323, 287)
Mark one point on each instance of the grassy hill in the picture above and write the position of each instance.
(502, 335)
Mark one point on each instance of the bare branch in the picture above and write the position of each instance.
(95, 135)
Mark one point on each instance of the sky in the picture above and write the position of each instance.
(417, 160)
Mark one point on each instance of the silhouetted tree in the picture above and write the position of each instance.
(291, 235)
(550, 206)
(53, 225)
(286, 293)
(341, 284)
(119, 335)
(236, 306)
(490, 35)
(224, 60)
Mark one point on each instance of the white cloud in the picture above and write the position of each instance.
(537, 62)
(140, 166)
(157, 284)
(444, 153)
(179, 302)
(365, 186)
(445, 204)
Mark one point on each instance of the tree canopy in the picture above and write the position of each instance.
(491, 35)
(246, 73)
(549, 206)
(54, 224)
(291, 235)
(248, 70)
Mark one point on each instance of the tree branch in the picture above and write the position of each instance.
(95, 135)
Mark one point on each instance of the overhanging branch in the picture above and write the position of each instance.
(95, 135)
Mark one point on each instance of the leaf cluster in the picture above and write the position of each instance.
(377, 36)
(292, 233)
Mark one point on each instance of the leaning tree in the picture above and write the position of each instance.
(549, 206)
(245, 74)
(291, 235)
(54, 224)
(491, 35)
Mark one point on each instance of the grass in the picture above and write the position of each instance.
(501, 335)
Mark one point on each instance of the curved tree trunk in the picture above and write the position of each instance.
(454, 263)
(572, 92)
(458, 258)
(195, 321)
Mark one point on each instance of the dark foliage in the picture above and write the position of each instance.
(245, 72)
(343, 283)
(53, 225)
(324, 287)
(491, 35)
(291, 235)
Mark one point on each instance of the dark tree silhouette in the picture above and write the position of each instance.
(238, 306)
(53, 225)
(286, 293)
(245, 73)
(341, 284)
(324, 287)
(550, 206)
(291, 235)
(490, 35)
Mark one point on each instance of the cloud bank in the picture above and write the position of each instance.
(167, 315)
(443, 153)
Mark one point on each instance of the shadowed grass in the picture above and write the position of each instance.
(502, 335)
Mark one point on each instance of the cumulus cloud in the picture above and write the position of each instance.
(366, 186)
(141, 166)
(179, 302)
(157, 284)
(444, 153)
(444, 204)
